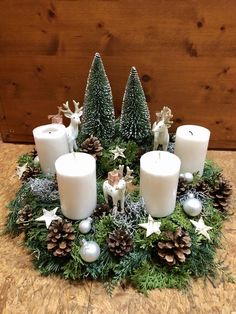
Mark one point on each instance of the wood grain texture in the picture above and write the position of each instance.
(23, 290)
(185, 53)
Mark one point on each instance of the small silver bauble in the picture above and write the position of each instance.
(36, 161)
(188, 177)
(192, 206)
(89, 251)
(85, 225)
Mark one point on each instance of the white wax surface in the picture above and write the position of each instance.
(159, 173)
(76, 177)
(51, 142)
(191, 147)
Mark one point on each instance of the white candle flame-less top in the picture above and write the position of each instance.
(51, 143)
(191, 147)
(76, 177)
(159, 173)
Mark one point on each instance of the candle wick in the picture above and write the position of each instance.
(50, 132)
(159, 154)
(191, 132)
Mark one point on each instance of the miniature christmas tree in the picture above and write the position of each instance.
(135, 120)
(98, 114)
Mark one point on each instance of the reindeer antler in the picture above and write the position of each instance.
(76, 105)
(166, 116)
(55, 115)
(120, 171)
(66, 110)
(158, 116)
(128, 178)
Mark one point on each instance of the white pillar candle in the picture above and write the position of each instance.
(159, 173)
(51, 142)
(191, 147)
(76, 177)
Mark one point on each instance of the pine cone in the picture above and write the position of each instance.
(140, 152)
(33, 153)
(119, 242)
(92, 146)
(60, 238)
(101, 210)
(55, 181)
(172, 137)
(203, 187)
(24, 216)
(220, 194)
(30, 172)
(176, 249)
(183, 187)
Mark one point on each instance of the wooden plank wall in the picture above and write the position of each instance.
(185, 53)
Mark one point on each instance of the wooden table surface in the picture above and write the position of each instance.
(23, 290)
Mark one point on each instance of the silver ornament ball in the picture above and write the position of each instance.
(36, 161)
(188, 177)
(192, 206)
(89, 251)
(191, 195)
(85, 225)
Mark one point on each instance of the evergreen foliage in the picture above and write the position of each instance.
(135, 120)
(98, 111)
(150, 276)
(107, 163)
(140, 267)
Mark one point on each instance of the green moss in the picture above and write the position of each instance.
(103, 227)
(107, 163)
(180, 218)
(143, 242)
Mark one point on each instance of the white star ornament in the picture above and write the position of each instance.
(201, 228)
(48, 216)
(151, 226)
(20, 170)
(118, 152)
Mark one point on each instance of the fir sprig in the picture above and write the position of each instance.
(22, 198)
(150, 276)
(211, 172)
(128, 264)
(103, 267)
(25, 158)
